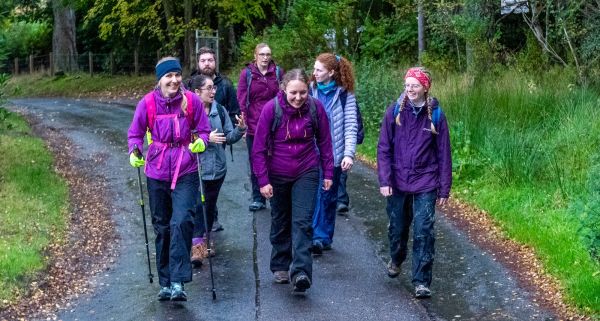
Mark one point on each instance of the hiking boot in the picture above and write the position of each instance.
(164, 294)
(199, 253)
(342, 209)
(301, 282)
(217, 227)
(316, 248)
(281, 277)
(177, 292)
(255, 206)
(393, 270)
(422, 291)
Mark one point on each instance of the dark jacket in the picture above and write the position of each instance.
(225, 95)
(410, 158)
(294, 150)
(262, 89)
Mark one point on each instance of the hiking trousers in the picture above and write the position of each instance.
(211, 194)
(292, 208)
(402, 208)
(324, 217)
(172, 218)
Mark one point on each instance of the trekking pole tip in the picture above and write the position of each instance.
(214, 294)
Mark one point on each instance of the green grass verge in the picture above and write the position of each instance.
(33, 206)
(525, 150)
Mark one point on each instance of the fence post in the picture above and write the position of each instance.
(91, 63)
(51, 64)
(136, 63)
(112, 63)
(31, 64)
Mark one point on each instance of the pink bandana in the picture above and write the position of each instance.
(418, 74)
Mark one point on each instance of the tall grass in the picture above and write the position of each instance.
(33, 206)
(525, 149)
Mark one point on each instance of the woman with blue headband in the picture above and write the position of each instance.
(178, 130)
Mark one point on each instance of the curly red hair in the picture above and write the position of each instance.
(342, 67)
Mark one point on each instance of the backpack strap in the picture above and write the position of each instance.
(278, 113)
(343, 98)
(435, 116)
(313, 114)
(190, 107)
(277, 74)
(248, 82)
(150, 109)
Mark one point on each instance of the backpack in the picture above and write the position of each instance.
(249, 81)
(436, 114)
(360, 133)
(278, 113)
(151, 108)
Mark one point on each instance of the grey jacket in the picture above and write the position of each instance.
(343, 124)
(213, 159)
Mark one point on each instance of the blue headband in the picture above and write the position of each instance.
(167, 66)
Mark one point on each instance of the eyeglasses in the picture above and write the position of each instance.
(210, 88)
(264, 54)
(412, 86)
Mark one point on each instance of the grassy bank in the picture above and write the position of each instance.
(525, 150)
(33, 206)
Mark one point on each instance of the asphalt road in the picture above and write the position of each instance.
(349, 282)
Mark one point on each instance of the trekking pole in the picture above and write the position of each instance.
(201, 190)
(137, 153)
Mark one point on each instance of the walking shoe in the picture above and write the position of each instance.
(393, 270)
(316, 248)
(164, 294)
(177, 292)
(422, 291)
(342, 209)
(281, 277)
(255, 206)
(327, 247)
(199, 253)
(217, 227)
(301, 282)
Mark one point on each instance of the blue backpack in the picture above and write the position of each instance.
(360, 133)
(436, 114)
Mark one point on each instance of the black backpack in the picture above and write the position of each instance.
(360, 133)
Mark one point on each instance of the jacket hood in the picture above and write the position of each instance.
(254, 68)
(158, 97)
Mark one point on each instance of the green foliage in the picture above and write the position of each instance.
(391, 38)
(589, 210)
(245, 12)
(21, 38)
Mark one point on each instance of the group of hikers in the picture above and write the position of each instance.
(301, 133)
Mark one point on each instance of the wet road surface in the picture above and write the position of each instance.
(349, 282)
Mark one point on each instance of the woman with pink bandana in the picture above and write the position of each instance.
(415, 170)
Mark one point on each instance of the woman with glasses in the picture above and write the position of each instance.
(414, 166)
(333, 85)
(214, 163)
(258, 84)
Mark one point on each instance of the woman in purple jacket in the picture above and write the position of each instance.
(291, 143)
(258, 84)
(414, 166)
(171, 114)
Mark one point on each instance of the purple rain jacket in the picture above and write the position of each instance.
(410, 158)
(294, 150)
(168, 156)
(263, 88)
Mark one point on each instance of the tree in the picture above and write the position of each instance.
(64, 45)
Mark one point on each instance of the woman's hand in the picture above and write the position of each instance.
(385, 191)
(241, 121)
(442, 201)
(217, 138)
(347, 163)
(267, 191)
(327, 184)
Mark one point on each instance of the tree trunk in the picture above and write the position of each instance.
(64, 46)
(421, 30)
(188, 42)
(169, 11)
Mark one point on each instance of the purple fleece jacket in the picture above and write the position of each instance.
(410, 158)
(262, 89)
(164, 133)
(294, 149)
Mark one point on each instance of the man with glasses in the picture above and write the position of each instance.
(225, 93)
(258, 84)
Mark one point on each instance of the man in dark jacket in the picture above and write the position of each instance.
(225, 95)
